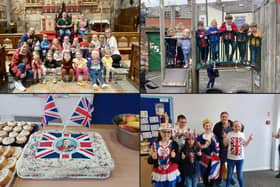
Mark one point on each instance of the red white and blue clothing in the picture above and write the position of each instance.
(165, 172)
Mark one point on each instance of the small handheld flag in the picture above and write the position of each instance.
(82, 113)
(50, 111)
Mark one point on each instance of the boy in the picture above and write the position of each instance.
(214, 38)
(202, 42)
(45, 46)
(171, 43)
(186, 46)
(242, 39)
(254, 42)
(229, 28)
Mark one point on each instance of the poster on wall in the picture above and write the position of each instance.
(152, 112)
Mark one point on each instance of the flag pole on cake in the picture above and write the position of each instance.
(50, 111)
(82, 114)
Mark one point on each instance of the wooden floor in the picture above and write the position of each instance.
(125, 173)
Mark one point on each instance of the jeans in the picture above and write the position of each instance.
(63, 32)
(186, 56)
(191, 181)
(253, 51)
(233, 47)
(96, 74)
(29, 73)
(82, 33)
(242, 46)
(214, 50)
(239, 166)
(211, 82)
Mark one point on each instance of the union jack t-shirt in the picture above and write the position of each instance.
(236, 143)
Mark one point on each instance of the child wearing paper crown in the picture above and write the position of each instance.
(190, 157)
(236, 141)
(164, 156)
(210, 149)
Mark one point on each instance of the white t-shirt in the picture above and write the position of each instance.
(236, 143)
(112, 43)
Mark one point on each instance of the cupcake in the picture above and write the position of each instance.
(2, 125)
(3, 133)
(24, 133)
(17, 128)
(13, 134)
(8, 128)
(3, 162)
(5, 176)
(9, 151)
(20, 139)
(12, 123)
(28, 127)
(20, 124)
(8, 140)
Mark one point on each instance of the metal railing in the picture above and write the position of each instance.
(237, 51)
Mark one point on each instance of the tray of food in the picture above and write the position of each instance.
(16, 133)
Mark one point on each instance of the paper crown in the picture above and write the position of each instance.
(166, 126)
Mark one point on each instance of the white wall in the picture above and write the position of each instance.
(29, 105)
(251, 110)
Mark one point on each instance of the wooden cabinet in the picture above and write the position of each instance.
(3, 72)
(146, 172)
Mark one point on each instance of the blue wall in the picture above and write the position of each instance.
(106, 106)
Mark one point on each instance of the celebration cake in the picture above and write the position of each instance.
(50, 155)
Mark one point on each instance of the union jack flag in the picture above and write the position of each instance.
(50, 111)
(82, 114)
(236, 145)
(64, 146)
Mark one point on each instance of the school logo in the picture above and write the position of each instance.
(64, 146)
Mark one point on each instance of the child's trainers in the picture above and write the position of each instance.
(104, 86)
(95, 86)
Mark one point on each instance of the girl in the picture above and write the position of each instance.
(95, 41)
(236, 141)
(95, 68)
(66, 45)
(80, 65)
(58, 56)
(37, 67)
(164, 157)
(277, 136)
(67, 67)
(108, 61)
(50, 66)
(214, 39)
(55, 45)
(190, 157)
(186, 43)
(76, 43)
(210, 149)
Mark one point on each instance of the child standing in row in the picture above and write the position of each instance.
(242, 39)
(186, 44)
(37, 67)
(95, 68)
(277, 136)
(202, 42)
(190, 158)
(80, 65)
(214, 39)
(236, 141)
(254, 42)
(108, 62)
(164, 158)
(171, 44)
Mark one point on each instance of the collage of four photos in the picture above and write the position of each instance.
(144, 93)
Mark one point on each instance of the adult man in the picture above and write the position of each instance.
(29, 38)
(64, 24)
(20, 66)
(113, 46)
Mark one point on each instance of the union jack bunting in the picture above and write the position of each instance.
(50, 111)
(64, 146)
(82, 114)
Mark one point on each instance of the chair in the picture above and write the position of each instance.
(133, 40)
(122, 42)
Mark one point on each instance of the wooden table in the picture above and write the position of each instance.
(125, 173)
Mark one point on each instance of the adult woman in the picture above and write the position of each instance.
(113, 46)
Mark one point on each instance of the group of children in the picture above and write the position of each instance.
(72, 59)
(182, 158)
(178, 47)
